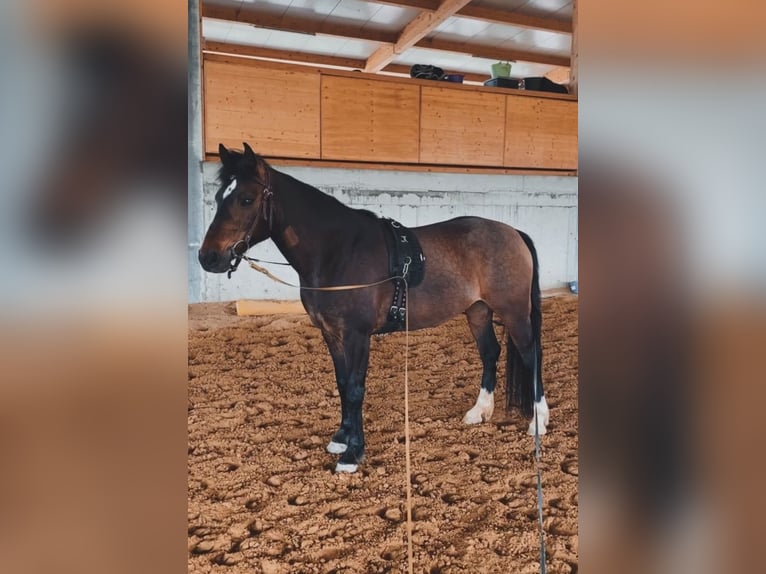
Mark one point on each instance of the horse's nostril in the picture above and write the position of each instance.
(208, 259)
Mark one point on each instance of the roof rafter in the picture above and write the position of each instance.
(493, 52)
(416, 30)
(299, 24)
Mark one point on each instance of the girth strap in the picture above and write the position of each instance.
(405, 259)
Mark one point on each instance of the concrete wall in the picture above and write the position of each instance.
(543, 206)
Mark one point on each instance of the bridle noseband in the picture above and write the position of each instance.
(267, 211)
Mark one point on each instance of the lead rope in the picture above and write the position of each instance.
(408, 472)
(407, 468)
(539, 476)
(410, 567)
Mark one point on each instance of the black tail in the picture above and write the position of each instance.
(522, 373)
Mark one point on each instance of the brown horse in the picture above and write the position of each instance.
(474, 266)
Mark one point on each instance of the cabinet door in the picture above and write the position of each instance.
(541, 133)
(369, 120)
(461, 127)
(275, 110)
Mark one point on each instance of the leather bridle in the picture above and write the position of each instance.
(266, 210)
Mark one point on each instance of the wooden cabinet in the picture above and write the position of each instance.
(461, 127)
(300, 112)
(540, 133)
(369, 120)
(275, 110)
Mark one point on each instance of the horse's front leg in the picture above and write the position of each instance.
(339, 441)
(357, 354)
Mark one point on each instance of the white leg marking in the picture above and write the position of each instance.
(482, 410)
(346, 467)
(336, 447)
(543, 416)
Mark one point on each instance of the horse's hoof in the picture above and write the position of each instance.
(473, 417)
(336, 448)
(543, 417)
(340, 467)
(482, 410)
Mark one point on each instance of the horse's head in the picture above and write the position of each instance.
(244, 207)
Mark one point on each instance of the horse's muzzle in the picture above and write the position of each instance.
(214, 262)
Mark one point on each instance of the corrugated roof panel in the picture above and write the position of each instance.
(355, 10)
(495, 34)
(353, 48)
(393, 17)
(541, 41)
(460, 27)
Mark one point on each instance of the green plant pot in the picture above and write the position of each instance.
(501, 70)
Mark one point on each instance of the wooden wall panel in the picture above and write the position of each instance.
(461, 127)
(276, 111)
(541, 133)
(369, 120)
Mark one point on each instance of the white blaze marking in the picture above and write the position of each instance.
(482, 410)
(231, 187)
(543, 416)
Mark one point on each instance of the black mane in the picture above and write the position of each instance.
(246, 170)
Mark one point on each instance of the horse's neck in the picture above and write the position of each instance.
(311, 225)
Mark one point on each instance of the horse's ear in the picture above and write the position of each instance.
(249, 153)
(224, 154)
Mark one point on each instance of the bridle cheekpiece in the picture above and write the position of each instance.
(267, 212)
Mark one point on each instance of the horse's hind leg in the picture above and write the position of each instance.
(480, 322)
(523, 370)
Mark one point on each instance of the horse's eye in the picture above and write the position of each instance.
(245, 201)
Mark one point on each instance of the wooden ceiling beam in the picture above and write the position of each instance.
(317, 59)
(298, 24)
(493, 53)
(422, 25)
(490, 15)
(516, 19)
(419, 4)
(287, 55)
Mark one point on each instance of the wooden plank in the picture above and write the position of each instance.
(540, 133)
(275, 111)
(241, 50)
(516, 19)
(574, 75)
(559, 75)
(300, 24)
(369, 120)
(287, 55)
(414, 167)
(251, 307)
(490, 15)
(493, 52)
(461, 128)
